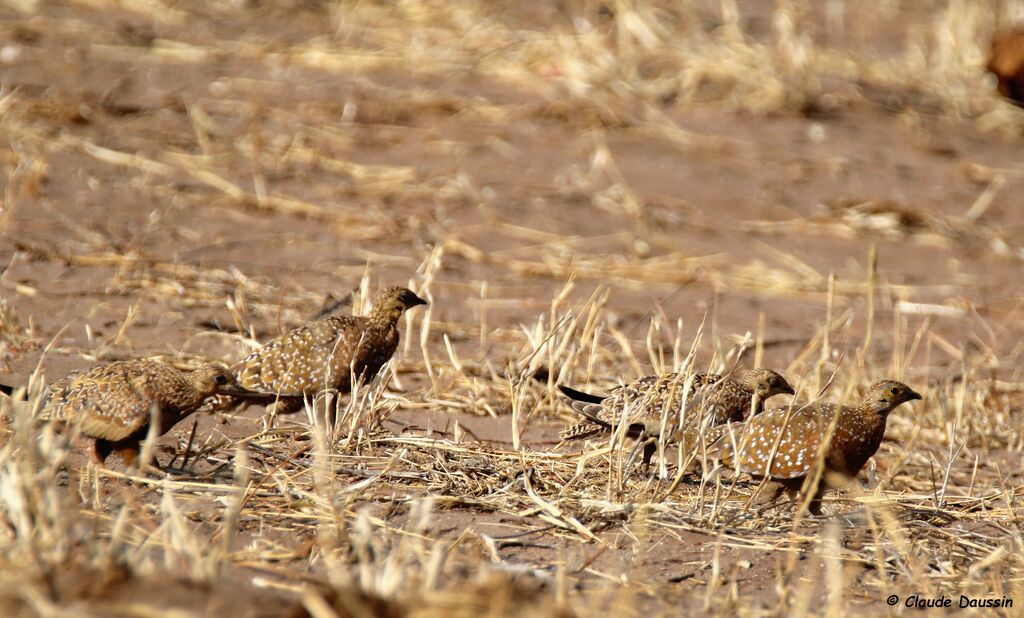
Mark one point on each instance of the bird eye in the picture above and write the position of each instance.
(220, 379)
(894, 390)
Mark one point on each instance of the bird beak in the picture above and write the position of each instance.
(912, 395)
(416, 300)
(238, 391)
(788, 390)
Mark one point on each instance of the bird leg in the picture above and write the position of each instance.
(631, 459)
(101, 449)
(649, 449)
(283, 405)
(286, 405)
(650, 445)
(795, 490)
(128, 449)
(814, 506)
(331, 417)
(766, 495)
(129, 454)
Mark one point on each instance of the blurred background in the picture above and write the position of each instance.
(701, 158)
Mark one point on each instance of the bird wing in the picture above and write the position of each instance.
(644, 400)
(109, 403)
(638, 387)
(731, 401)
(712, 396)
(304, 360)
(748, 446)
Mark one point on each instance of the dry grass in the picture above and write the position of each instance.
(381, 515)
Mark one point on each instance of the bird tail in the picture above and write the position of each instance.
(576, 395)
(581, 431)
(586, 405)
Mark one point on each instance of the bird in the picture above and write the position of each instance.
(712, 399)
(114, 403)
(800, 439)
(325, 354)
(1006, 62)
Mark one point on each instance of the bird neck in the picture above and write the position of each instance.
(189, 400)
(751, 388)
(748, 383)
(757, 402)
(871, 430)
(189, 394)
(881, 408)
(862, 437)
(870, 426)
(385, 317)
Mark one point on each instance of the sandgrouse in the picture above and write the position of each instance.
(800, 431)
(713, 399)
(325, 354)
(113, 403)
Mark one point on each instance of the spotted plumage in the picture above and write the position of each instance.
(800, 432)
(712, 399)
(114, 403)
(325, 354)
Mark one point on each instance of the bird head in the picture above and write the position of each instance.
(391, 303)
(884, 396)
(767, 383)
(216, 379)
